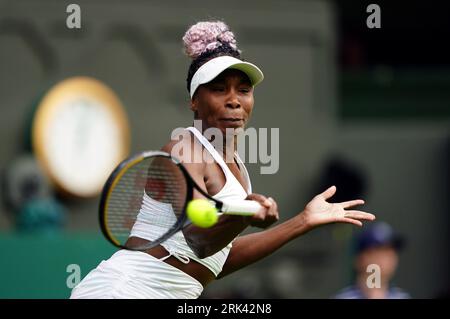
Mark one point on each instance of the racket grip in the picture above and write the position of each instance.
(241, 207)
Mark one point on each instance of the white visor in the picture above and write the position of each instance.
(211, 69)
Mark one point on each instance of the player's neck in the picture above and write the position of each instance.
(224, 143)
(227, 149)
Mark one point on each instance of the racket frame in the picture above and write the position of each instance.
(114, 178)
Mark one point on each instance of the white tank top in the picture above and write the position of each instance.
(176, 245)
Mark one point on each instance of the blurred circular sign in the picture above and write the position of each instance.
(80, 133)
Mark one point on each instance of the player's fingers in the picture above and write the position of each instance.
(274, 205)
(273, 211)
(351, 221)
(261, 215)
(357, 214)
(263, 200)
(351, 203)
(328, 193)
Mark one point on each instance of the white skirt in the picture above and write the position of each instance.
(135, 275)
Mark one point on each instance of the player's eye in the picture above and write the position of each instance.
(245, 89)
(218, 88)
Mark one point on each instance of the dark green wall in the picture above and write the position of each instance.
(34, 266)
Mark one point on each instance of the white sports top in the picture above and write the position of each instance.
(152, 210)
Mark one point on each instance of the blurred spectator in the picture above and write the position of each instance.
(45, 215)
(377, 245)
(28, 194)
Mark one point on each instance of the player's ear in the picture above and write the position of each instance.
(193, 104)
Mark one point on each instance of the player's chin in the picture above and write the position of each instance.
(233, 126)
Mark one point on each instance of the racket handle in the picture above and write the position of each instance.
(241, 207)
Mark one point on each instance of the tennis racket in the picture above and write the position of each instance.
(146, 197)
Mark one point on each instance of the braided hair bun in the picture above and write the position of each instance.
(207, 36)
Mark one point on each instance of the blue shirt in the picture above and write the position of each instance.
(353, 292)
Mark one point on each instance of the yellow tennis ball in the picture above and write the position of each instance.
(202, 213)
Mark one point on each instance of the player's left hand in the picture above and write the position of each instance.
(319, 212)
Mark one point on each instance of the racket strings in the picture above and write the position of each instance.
(148, 198)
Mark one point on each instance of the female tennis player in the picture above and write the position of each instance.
(221, 87)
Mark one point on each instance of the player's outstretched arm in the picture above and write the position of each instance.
(253, 247)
